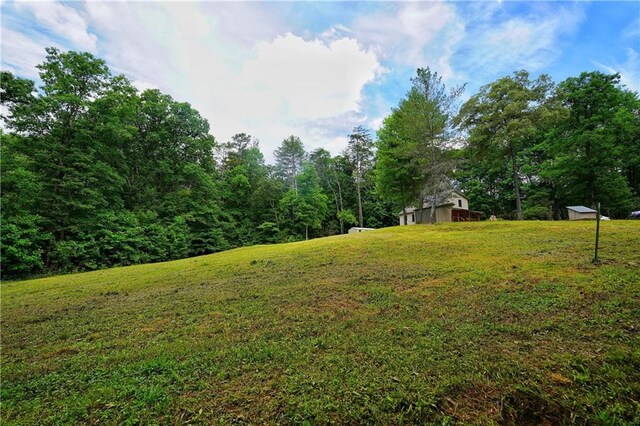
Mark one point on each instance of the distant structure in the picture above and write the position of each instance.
(356, 230)
(454, 209)
(581, 213)
(408, 216)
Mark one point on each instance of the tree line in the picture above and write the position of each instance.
(97, 174)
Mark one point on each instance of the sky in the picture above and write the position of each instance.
(318, 69)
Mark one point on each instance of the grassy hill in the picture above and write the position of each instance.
(485, 322)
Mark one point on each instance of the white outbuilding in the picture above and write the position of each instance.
(408, 216)
(581, 213)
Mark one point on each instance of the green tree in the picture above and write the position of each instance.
(327, 170)
(233, 152)
(97, 175)
(397, 177)
(306, 208)
(591, 146)
(413, 163)
(22, 243)
(289, 157)
(15, 94)
(73, 167)
(244, 173)
(266, 204)
(360, 155)
(503, 119)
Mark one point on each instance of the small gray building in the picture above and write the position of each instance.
(581, 213)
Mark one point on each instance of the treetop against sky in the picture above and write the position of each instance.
(317, 69)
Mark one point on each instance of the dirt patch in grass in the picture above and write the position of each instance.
(475, 403)
(61, 352)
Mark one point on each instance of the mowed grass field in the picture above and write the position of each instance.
(480, 323)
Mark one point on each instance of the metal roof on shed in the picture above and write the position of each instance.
(581, 209)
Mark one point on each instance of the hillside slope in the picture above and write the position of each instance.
(484, 322)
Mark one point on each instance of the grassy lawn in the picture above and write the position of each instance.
(497, 322)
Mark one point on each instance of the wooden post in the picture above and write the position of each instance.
(596, 260)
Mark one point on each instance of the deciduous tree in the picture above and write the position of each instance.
(591, 147)
(503, 118)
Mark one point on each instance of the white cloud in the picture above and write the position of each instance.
(413, 34)
(143, 85)
(64, 21)
(20, 54)
(128, 44)
(245, 23)
(530, 41)
(632, 30)
(376, 123)
(629, 70)
(405, 32)
(240, 82)
(312, 79)
(288, 86)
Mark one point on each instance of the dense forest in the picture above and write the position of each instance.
(97, 174)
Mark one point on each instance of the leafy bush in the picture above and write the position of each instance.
(21, 246)
(537, 213)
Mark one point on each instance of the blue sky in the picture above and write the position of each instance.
(317, 69)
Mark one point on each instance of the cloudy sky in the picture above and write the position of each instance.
(317, 69)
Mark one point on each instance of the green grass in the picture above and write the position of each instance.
(496, 322)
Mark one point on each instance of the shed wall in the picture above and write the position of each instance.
(443, 214)
(411, 219)
(574, 215)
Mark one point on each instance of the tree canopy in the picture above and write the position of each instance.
(503, 119)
